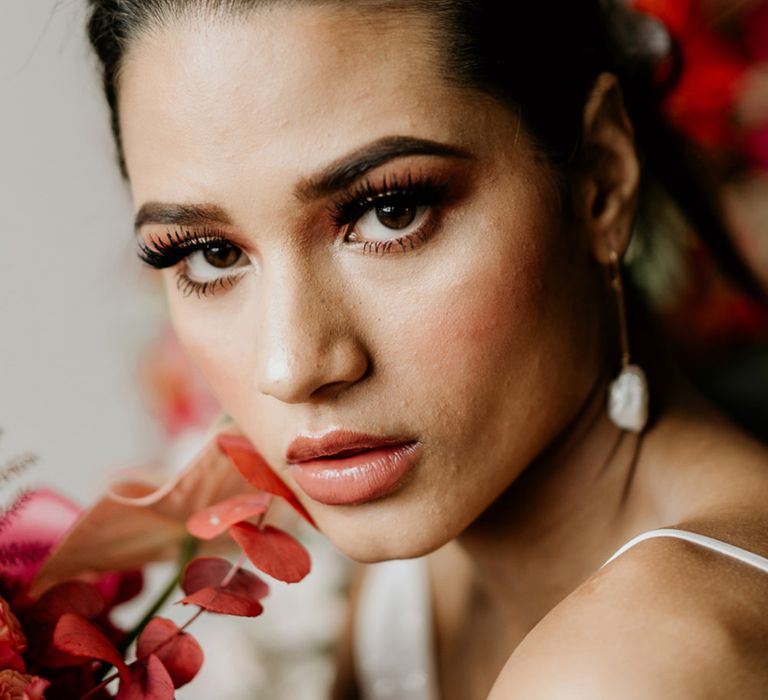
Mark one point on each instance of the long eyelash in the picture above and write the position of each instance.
(189, 286)
(403, 243)
(352, 205)
(169, 250)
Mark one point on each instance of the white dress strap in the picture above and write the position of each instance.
(393, 646)
(730, 550)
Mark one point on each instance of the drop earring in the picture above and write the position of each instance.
(628, 393)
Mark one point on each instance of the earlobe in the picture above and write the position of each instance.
(611, 171)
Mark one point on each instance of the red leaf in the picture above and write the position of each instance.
(149, 680)
(216, 519)
(223, 602)
(75, 597)
(256, 470)
(76, 636)
(202, 584)
(273, 551)
(204, 572)
(179, 652)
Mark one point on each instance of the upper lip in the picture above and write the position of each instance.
(304, 447)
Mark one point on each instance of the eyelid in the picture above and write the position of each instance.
(169, 250)
(423, 189)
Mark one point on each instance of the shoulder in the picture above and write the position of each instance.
(667, 619)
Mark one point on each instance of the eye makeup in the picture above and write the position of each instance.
(178, 246)
(408, 203)
(387, 199)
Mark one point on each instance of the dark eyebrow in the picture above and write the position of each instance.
(181, 214)
(338, 175)
(344, 171)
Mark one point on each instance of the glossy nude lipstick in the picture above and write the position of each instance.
(344, 468)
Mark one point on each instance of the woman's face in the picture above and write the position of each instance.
(394, 261)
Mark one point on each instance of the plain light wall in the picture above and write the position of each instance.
(76, 309)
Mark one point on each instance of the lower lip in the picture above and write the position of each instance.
(356, 479)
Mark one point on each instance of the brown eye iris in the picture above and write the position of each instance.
(221, 255)
(395, 216)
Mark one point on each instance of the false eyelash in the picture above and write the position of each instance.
(170, 250)
(352, 205)
(189, 286)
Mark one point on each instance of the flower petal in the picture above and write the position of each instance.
(139, 523)
(30, 529)
(110, 537)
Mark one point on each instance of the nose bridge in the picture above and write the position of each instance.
(305, 345)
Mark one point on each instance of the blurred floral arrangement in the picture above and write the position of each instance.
(62, 573)
(720, 103)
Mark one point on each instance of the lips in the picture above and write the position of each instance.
(345, 468)
(339, 443)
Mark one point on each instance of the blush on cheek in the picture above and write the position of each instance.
(491, 308)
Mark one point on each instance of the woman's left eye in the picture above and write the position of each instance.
(389, 217)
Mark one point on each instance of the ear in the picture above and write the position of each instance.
(611, 172)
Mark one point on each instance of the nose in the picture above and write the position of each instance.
(307, 348)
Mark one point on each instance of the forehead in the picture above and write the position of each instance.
(283, 90)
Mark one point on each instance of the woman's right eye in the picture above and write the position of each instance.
(214, 261)
(205, 261)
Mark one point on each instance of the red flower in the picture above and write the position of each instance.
(702, 103)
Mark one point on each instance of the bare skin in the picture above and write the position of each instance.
(490, 342)
(666, 619)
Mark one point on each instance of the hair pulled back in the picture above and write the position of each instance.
(543, 63)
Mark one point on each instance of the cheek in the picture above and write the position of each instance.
(473, 325)
(207, 334)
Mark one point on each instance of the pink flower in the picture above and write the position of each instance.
(28, 531)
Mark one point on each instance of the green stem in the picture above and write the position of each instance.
(189, 548)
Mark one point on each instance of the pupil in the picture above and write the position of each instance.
(221, 255)
(395, 216)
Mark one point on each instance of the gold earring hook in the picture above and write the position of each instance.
(618, 289)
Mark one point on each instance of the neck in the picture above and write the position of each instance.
(560, 520)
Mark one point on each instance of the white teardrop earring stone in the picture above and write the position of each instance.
(628, 399)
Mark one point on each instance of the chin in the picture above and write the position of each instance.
(369, 533)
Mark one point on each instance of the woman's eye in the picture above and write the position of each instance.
(381, 220)
(214, 261)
